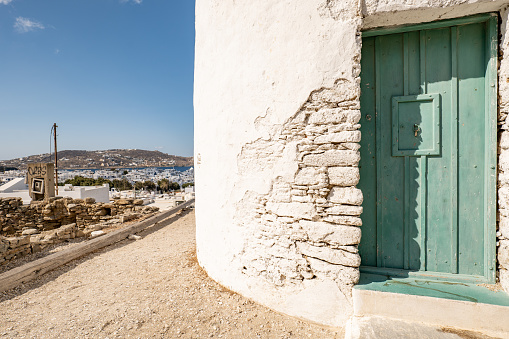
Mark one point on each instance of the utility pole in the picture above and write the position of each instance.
(56, 170)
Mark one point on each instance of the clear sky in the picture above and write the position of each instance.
(109, 73)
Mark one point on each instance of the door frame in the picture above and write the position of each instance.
(490, 164)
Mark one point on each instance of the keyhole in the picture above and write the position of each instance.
(416, 129)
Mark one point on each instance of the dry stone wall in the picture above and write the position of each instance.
(27, 229)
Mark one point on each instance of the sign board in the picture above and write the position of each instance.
(41, 180)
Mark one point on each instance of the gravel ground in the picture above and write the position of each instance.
(149, 288)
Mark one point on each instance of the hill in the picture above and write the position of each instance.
(113, 158)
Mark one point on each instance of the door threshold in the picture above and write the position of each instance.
(475, 307)
(469, 292)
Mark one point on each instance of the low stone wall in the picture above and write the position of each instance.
(31, 228)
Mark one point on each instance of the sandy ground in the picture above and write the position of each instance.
(149, 288)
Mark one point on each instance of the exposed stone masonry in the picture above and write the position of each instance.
(503, 162)
(30, 228)
(308, 226)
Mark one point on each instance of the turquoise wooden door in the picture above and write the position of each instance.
(428, 149)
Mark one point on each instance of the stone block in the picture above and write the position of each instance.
(30, 231)
(342, 274)
(101, 212)
(96, 234)
(330, 255)
(503, 227)
(504, 140)
(301, 198)
(334, 116)
(89, 200)
(24, 240)
(294, 192)
(503, 254)
(346, 195)
(336, 138)
(351, 146)
(504, 280)
(293, 209)
(308, 176)
(36, 247)
(344, 220)
(344, 210)
(3, 247)
(323, 232)
(503, 178)
(343, 176)
(503, 160)
(332, 158)
(138, 202)
(503, 197)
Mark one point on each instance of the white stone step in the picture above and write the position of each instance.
(416, 314)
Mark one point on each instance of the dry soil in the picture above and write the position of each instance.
(148, 288)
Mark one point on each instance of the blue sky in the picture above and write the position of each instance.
(110, 73)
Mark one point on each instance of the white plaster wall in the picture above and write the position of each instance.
(17, 184)
(99, 193)
(276, 112)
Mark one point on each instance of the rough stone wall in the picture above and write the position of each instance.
(16, 218)
(308, 225)
(503, 158)
(31, 228)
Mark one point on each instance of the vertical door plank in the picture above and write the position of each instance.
(490, 148)
(408, 198)
(367, 165)
(454, 150)
(416, 185)
(391, 60)
(438, 80)
(471, 141)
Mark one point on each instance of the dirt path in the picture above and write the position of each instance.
(150, 288)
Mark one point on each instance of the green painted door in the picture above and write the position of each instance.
(428, 149)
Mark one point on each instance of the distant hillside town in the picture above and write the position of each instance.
(113, 158)
(149, 171)
(152, 184)
(181, 176)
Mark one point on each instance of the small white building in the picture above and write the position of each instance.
(18, 188)
(99, 193)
